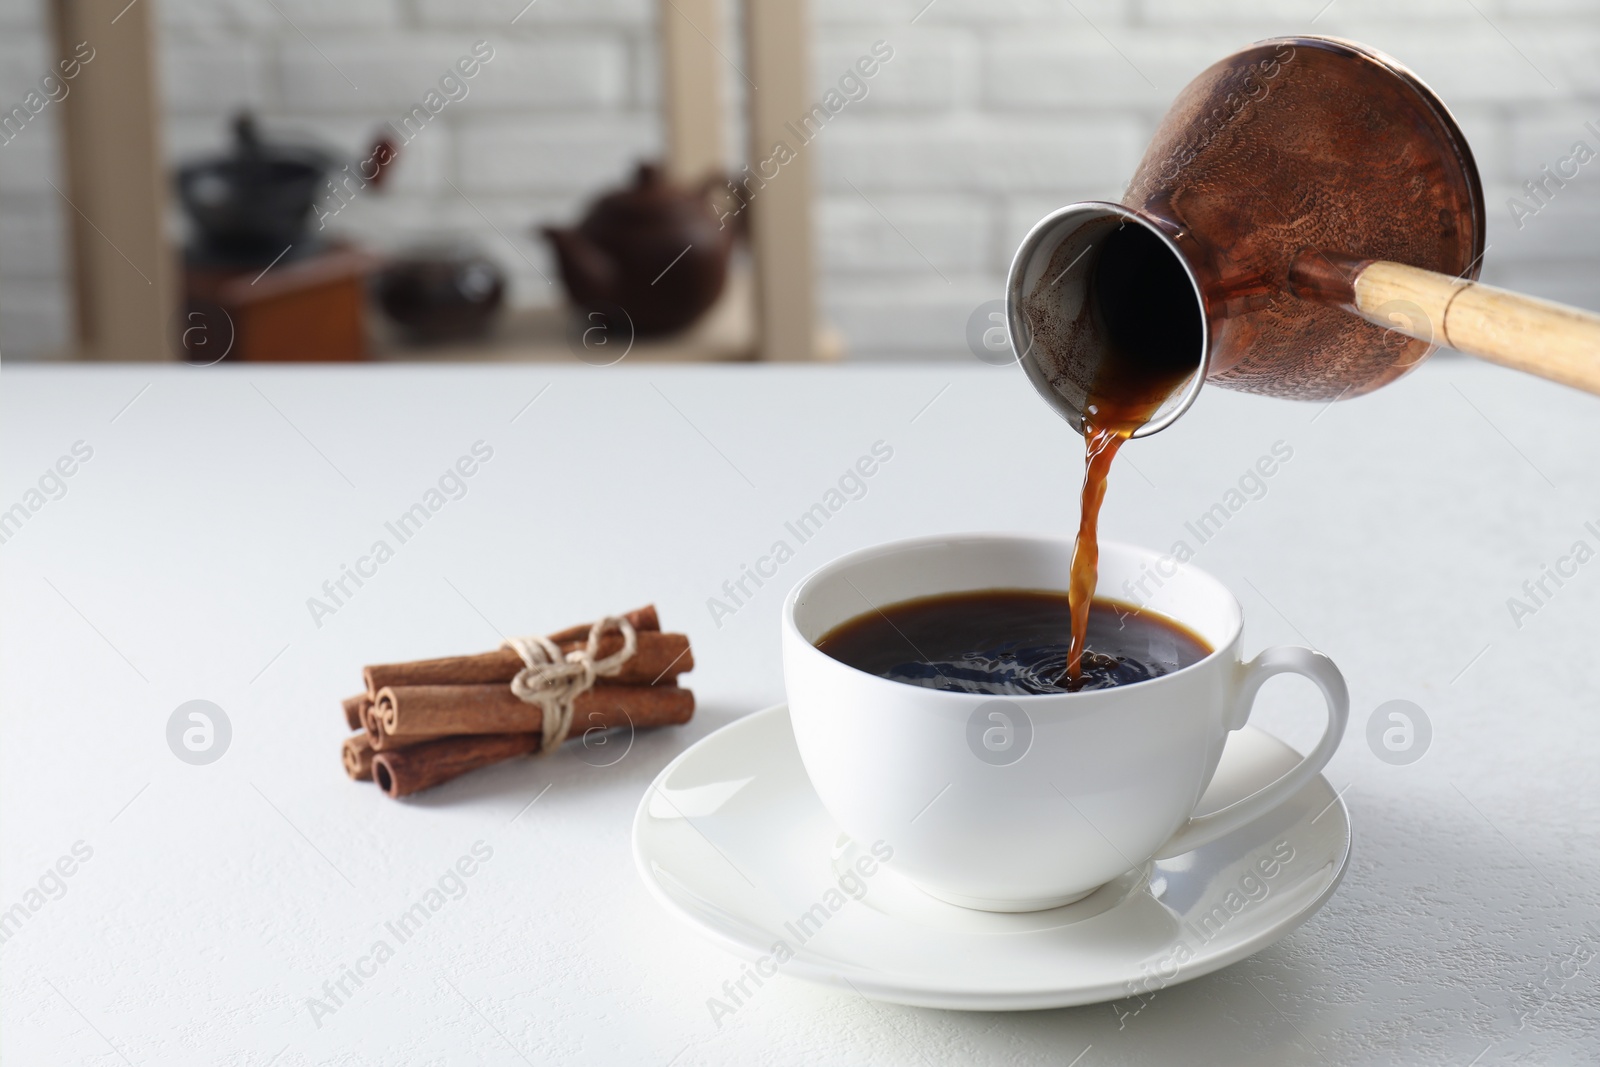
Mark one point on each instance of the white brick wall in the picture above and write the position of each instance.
(991, 113)
(33, 291)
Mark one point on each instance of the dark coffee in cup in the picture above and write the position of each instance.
(1010, 642)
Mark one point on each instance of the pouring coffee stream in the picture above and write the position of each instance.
(1307, 223)
(1148, 357)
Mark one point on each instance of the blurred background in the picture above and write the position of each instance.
(418, 179)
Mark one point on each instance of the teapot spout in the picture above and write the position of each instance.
(590, 274)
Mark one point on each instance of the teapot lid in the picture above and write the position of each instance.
(651, 198)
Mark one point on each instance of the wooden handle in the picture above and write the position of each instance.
(1538, 336)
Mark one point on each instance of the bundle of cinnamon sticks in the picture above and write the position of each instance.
(425, 722)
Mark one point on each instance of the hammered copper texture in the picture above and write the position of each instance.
(1308, 144)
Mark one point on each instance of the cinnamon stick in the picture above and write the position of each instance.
(352, 709)
(368, 722)
(357, 755)
(657, 658)
(407, 714)
(417, 767)
(643, 619)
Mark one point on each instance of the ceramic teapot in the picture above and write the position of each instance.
(654, 249)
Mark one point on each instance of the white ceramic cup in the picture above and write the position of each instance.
(1020, 803)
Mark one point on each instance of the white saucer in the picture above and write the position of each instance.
(732, 839)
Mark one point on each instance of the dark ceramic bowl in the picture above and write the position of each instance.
(441, 296)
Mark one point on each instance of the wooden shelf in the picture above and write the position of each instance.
(727, 334)
(126, 276)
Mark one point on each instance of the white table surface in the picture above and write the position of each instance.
(218, 899)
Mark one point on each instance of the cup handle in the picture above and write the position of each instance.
(1283, 659)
